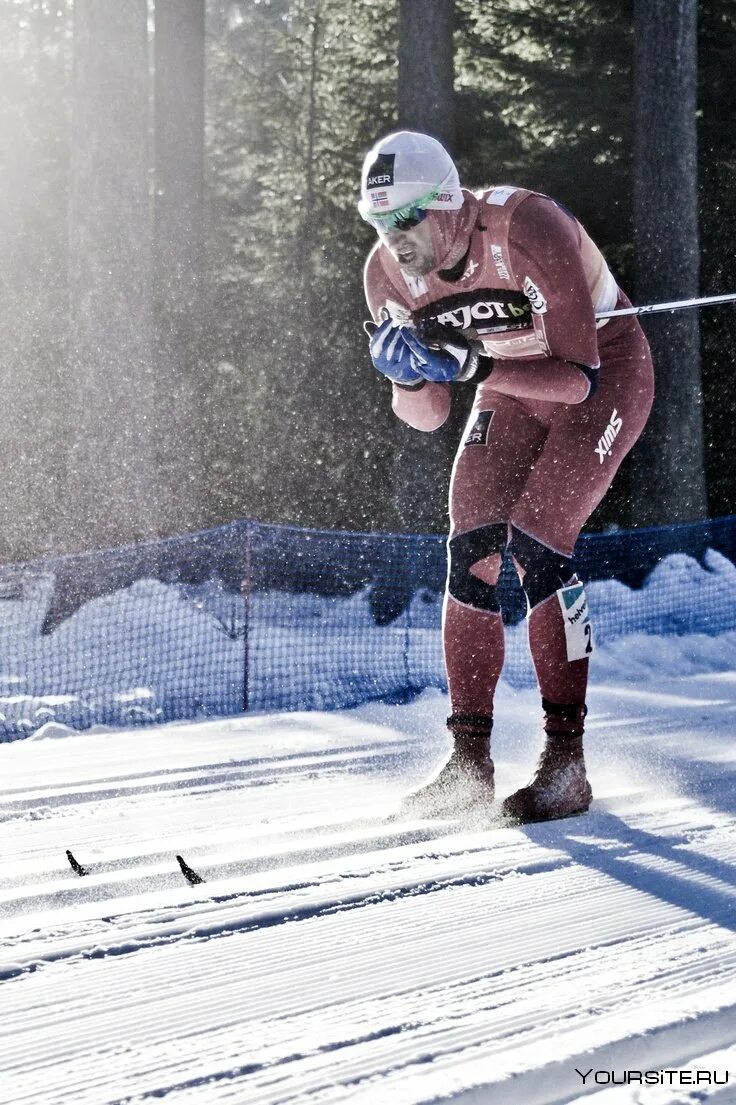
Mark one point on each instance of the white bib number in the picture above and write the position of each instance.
(578, 630)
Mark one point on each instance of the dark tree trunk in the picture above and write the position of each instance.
(112, 477)
(178, 252)
(426, 68)
(669, 463)
(426, 102)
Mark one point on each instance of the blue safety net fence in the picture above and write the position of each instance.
(251, 616)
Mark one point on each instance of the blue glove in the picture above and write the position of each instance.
(440, 365)
(391, 355)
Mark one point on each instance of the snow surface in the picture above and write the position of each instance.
(335, 956)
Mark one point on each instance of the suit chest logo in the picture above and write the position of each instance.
(535, 297)
(498, 261)
(503, 311)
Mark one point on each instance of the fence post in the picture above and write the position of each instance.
(413, 542)
(246, 590)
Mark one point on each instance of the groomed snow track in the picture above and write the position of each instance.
(334, 956)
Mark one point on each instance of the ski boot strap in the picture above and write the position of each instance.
(472, 733)
(562, 719)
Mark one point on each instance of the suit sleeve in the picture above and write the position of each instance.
(427, 406)
(547, 378)
(544, 245)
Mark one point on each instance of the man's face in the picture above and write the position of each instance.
(412, 249)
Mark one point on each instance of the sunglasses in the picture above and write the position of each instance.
(403, 218)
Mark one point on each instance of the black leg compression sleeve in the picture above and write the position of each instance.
(465, 550)
(545, 570)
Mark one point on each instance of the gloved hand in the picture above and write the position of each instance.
(450, 362)
(391, 355)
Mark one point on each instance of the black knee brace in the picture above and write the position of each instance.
(465, 550)
(545, 570)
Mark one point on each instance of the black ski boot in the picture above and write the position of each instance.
(465, 783)
(559, 786)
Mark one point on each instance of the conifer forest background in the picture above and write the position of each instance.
(181, 284)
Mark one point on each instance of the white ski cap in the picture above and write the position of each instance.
(404, 167)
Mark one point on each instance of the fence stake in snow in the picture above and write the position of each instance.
(75, 865)
(191, 876)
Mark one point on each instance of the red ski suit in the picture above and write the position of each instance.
(564, 403)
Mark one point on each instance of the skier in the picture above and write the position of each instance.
(500, 288)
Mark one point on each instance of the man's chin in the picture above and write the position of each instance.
(415, 267)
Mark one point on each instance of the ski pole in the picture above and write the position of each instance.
(677, 305)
